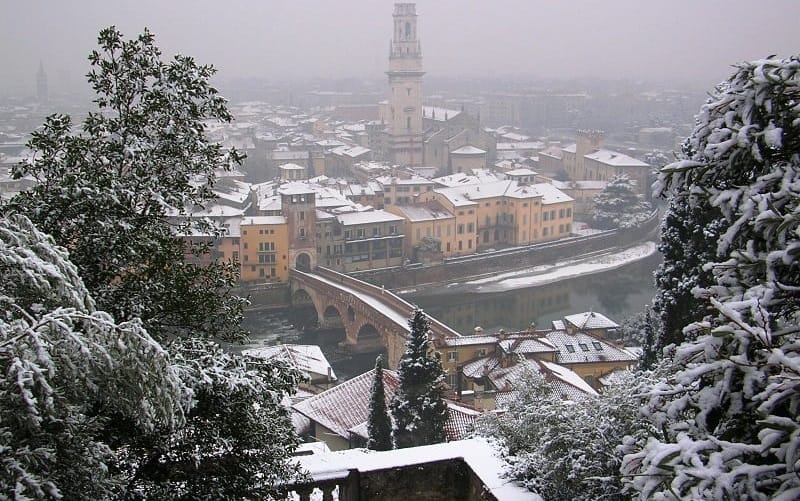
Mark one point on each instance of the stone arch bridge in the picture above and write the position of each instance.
(372, 317)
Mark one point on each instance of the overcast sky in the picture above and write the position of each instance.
(681, 40)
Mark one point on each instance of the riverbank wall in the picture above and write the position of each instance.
(419, 277)
(486, 264)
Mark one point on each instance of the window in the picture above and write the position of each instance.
(470, 227)
(302, 215)
(261, 272)
(584, 346)
(452, 356)
(561, 212)
(408, 122)
(569, 212)
(544, 231)
(245, 245)
(553, 214)
(545, 216)
(235, 256)
(460, 229)
(570, 348)
(597, 346)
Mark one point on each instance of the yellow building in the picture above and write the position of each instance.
(264, 249)
(505, 213)
(424, 226)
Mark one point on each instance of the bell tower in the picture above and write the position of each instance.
(404, 114)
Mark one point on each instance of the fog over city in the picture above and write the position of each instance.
(683, 41)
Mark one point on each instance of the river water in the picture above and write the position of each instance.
(617, 293)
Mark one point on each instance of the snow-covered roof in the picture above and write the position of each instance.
(509, 188)
(439, 114)
(570, 148)
(295, 188)
(591, 320)
(513, 136)
(584, 348)
(309, 359)
(616, 159)
(423, 213)
(468, 149)
(346, 405)
(568, 377)
(481, 457)
(478, 176)
(527, 145)
(412, 180)
(520, 172)
(253, 220)
(470, 340)
(366, 217)
(291, 166)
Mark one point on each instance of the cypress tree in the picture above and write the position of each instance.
(418, 407)
(379, 426)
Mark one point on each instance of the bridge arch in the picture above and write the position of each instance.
(331, 318)
(303, 262)
(301, 297)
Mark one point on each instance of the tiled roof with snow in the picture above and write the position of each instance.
(477, 367)
(584, 348)
(470, 340)
(347, 405)
(460, 421)
(309, 359)
(616, 159)
(591, 320)
(366, 217)
(568, 377)
(468, 149)
(527, 145)
(423, 213)
(439, 114)
(570, 148)
(291, 166)
(509, 188)
(412, 180)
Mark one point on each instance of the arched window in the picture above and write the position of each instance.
(408, 30)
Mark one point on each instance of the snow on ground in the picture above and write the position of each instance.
(545, 274)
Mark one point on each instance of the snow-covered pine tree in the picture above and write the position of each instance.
(418, 407)
(730, 414)
(379, 425)
(619, 205)
(115, 190)
(689, 233)
(66, 371)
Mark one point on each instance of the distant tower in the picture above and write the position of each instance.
(298, 206)
(41, 85)
(404, 116)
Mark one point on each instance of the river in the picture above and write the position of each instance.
(617, 293)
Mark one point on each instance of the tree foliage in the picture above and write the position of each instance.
(66, 371)
(109, 193)
(104, 191)
(418, 406)
(565, 449)
(380, 425)
(236, 438)
(729, 414)
(689, 233)
(620, 206)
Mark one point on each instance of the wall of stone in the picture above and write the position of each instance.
(478, 265)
